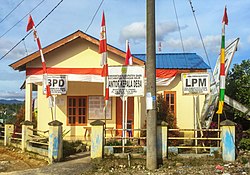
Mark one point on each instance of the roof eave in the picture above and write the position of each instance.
(21, 64)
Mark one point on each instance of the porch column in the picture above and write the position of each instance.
(228, 140)
(97, 139)
(28, 101)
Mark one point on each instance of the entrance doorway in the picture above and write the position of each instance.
(130, 115)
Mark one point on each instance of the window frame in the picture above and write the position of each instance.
(77, 111)
(171, 93)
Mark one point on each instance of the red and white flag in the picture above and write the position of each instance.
(103, 42)
(104, 61)
(31, 25)
(129, 59)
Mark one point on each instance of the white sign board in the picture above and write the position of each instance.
(195, 83)
(58, 84)
(126, 81)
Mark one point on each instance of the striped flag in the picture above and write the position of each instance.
(222, 64)
(31, 26)
(103, 42)
(104, 61)
(129, 59)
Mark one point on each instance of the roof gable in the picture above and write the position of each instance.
(21, 64)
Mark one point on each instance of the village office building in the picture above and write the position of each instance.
(76, 57)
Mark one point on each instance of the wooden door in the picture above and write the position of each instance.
(119, 113)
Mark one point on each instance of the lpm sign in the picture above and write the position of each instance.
(195, 83)
(58, 84)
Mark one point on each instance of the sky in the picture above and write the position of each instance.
(125, 20)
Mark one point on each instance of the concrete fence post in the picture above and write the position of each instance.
(162, 141)
(228, 140)
(97, 139)
(55, 150)
(8, 131)
(26, 133)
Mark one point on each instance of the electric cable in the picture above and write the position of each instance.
(21, 19)
(177, 20)
(198, 28)
(30, 31)
(12, 11)
(94, 16)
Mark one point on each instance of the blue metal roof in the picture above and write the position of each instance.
(177, 61)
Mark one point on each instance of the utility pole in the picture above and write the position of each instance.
(151, 86)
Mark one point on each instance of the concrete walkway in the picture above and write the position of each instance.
(74, 166)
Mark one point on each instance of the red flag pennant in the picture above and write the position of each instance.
(225, 18)
(31, 24)
(48, 92)
(128, 60)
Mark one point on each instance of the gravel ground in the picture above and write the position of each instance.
(81, 164)
(173, 166)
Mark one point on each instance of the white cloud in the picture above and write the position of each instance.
(12, 95)
(192, 44)
(17, 53)
(136, 31)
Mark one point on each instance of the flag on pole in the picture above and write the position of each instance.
(104, 61)
(103, 42)
(129, 59)
(222, 64)
(31, 25)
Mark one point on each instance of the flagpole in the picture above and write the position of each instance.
(31, 25)
(104, 64)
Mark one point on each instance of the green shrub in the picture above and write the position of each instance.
(245, 141)
(245, 144)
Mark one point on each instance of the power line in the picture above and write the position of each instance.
(182, 44)
(94, 15)
(198, 28)
(12, 11)
(21, 19)
(31, 31)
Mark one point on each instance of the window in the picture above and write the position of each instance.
(170, 97)
(77, 111)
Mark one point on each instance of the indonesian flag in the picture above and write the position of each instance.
(103, 42)
(129, 59)
(104, 62)
(31, 25)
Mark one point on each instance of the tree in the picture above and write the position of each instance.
(238, 85)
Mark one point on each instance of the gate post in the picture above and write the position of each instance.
(97, 139)
(162, 141)
(55, 141)
(26, 133)
(228, 140)
(8, 131)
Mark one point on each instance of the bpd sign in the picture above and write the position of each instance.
(195, 83)
(58, 84)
